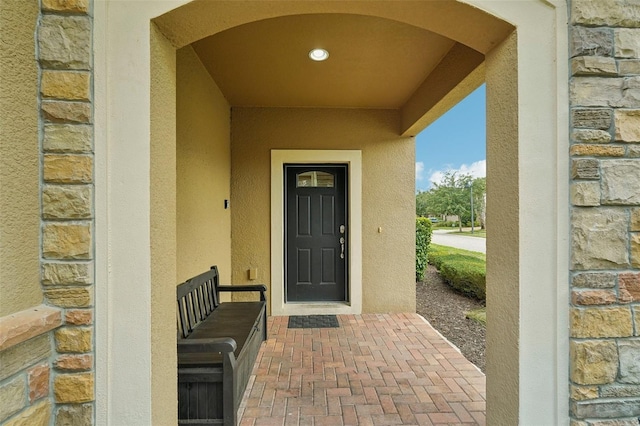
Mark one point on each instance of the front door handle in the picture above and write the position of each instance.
(341, 247)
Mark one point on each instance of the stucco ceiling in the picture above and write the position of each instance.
(373, 62)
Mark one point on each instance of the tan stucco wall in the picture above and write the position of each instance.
(163, 229)
(388, 200)
(19, 159)
(126, 64)
(502, 235)
(203, 163)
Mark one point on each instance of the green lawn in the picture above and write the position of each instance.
(480, 233)
(451, 251)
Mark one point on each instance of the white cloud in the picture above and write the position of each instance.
(436, 177)
(419, 171)
(476, 170)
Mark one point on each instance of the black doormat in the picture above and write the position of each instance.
(313, 321)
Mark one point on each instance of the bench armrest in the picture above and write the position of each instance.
(220, 344)
(249, 287)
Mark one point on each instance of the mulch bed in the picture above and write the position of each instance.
(445, 309)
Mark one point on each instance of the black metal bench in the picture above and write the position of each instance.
(217, 347)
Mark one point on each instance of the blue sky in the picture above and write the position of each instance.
(454, 142)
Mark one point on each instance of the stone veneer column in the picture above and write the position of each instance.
(64, 45)
(605, 217)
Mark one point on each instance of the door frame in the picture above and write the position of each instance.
(353, 159)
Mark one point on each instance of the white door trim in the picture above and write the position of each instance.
(353, 158)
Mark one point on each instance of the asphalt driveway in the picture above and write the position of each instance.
(449, 238)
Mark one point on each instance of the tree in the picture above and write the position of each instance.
(422, 204)
(479, 200)
(452, 196)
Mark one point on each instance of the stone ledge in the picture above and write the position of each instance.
(24, 325)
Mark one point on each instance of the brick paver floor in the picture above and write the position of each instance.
(375, 369)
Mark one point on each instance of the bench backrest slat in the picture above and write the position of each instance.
(197, 298)
(202, 309)
(182, 318)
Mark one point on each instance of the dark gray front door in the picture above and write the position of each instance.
(315, 232)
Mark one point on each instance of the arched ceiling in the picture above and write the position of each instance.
(373, 62)
(418, 57)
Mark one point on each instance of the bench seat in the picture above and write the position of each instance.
(217, 347)
(240, 319)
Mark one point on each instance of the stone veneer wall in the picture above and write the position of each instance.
(605, 217)
(49, 378)
(64, 54)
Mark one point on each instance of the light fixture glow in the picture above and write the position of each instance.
(318, 55)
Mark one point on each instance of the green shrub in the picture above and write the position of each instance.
(467, 224)
(423, 239)
(445, 224)
(463, 270)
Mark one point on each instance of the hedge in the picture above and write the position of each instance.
(463, 270)
(423, 239)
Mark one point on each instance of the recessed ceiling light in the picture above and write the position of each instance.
(318, 55)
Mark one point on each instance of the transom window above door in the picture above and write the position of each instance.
(315, 179)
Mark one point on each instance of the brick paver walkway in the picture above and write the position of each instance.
(374, 370)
